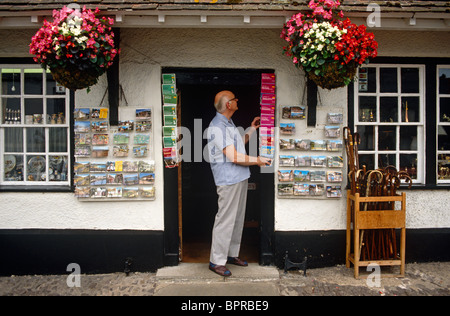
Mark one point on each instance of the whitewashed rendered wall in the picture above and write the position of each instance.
(144, 52)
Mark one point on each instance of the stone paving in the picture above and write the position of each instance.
(421, 279)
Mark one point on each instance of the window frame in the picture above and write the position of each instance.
(430, 114)
(439, 123)
(68, 96)
(420, 124)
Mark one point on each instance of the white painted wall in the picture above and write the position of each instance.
(144, 52)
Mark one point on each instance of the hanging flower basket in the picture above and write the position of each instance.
(77, 47)
(326, 46)
(333, 77)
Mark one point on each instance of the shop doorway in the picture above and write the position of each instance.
(197, 205)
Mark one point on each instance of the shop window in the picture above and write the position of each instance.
(389, 116)
(34, 128)
(443, 124)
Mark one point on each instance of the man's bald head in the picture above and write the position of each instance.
(221, 100)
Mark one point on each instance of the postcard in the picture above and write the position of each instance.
(334, 176)
(267, 120)
(285, 175)
(318, 161)
(126, 126)
(298, 112)
(334, 191)
(169, 141)
(169, 131)
(114, 178)
(120, 151)
(335, 162)
(130, 192)
(301, 175)
(286, 160)
(110, 166)
(82, 114)
(98, 179)
(140, 151)
(287, 144)
(267, 151)
(302, 161)
(316, 189)
(147, 192)
(334, 118)
(268, 109)
(170, 110)
(334, 145)
(143, 126)
(82, 151)
(81, 179)
(146, 178)
(100, 126)
(143, 113)
(114, 192)
(121, 138)
(100, 151)
(286, 112)
(267, 141)
(82, 192)
(267, 131)
(287, 128)
(170, 120)
(82, 126)
(332, 131)
(317, 176)
(131, 179)
(318, 145)
(101, 113)
(302, 144)
(98, 192)
(82, 139)
(145, 166)
(97, 167)
(301, 189)
(100, 139)
(130, 166)
(285, 189)
(268, 88)
(81, 167)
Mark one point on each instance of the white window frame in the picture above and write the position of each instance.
(420, 169)
(438, 122)
(45, 124)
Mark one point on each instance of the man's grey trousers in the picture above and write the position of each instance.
(229, 222)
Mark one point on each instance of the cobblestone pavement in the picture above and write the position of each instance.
(421, 279)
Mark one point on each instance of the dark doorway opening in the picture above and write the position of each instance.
(197, 88)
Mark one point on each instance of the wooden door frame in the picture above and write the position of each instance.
(172, 199)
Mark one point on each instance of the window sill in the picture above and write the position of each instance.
(414, 187)
(28, 188)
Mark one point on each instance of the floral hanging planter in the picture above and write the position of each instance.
(326, 46)
(77, 47)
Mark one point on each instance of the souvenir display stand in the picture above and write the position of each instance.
(361, 220)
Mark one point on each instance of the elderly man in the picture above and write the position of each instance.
(230, 167)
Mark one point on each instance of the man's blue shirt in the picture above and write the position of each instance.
(221, 134)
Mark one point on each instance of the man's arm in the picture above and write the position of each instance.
(244, 160)
(254, 126)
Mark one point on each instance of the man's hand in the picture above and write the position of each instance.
(256, 123)
(263, 161)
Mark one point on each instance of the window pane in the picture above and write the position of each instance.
(10, 81)
(410, 109)
(33, 81)
(386, 138)
(56, 111)
(11, 110)
(52, 88)
(388, 79)
(367, 109)
(13, 139)
(408, 137)
(35, 139)
(34, 107)
(367, 137)
(367, 160)
(444, 109)
(444, 167)
(388, 109)
(443, 137)
(444, 80)
(387, 160)
(36, 168)
(57, 168)
(410, 80)
(13, 167)
(57, 139)
(408, 163)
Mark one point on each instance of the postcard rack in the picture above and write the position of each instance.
(362, 220)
